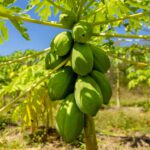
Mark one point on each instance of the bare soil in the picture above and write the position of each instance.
(12, 137)
(15, 140)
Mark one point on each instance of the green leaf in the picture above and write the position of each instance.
(4, 30)
(8, 2)
(33, 2)
(56, 10)
(138, 4)
(4, 9)
(15, 9)
(132, 84)
(43, 10)
(1, 40)
(19, 26)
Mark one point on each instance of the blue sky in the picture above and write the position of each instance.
(40, 35)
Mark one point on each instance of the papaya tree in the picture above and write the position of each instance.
(137, 57)
(15, 79)
(135, 72)
(77, 55)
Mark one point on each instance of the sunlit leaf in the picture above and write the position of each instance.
(19, 26)
(4, 30)
(8, 2)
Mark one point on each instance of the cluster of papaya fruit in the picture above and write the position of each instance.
(81, 83)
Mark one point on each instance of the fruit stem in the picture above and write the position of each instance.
(90, 135)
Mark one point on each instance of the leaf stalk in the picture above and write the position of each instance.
(20, 18)
(113, 35)
(34, 85)
(24, 58)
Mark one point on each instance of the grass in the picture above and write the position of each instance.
(123, 120)
(143, 103)
(9, 139)
(11, 145)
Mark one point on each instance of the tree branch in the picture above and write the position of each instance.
(5, 108)
(120, 19)
(121, 36)
(19, 18)
(23, 58)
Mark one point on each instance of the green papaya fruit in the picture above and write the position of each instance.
(68, 19)
(104, 85)
(52, 60)
(101, 60)
(88, 95)
(81, 59)
(62, 43)
(61, 83)
(82, 32)
(69, 119)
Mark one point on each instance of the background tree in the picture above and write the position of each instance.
(129, 15)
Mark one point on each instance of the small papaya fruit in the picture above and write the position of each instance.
(62, 43)
(88, 95)
(82, 32)
(68, 19)
(69, 119)
(52, 60)
(81, 59)
(104, 85)
(61, 83)
(101, 60)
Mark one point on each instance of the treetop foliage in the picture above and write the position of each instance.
(98, 12)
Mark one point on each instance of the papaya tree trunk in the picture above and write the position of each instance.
(90, 135)
(118, 86)
(4, 101)
(47, 119)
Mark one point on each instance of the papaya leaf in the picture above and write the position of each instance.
(15, 9)
(8, 2)
(56, 11)
(32, 3)
(19, 26)
(1, 40)
(43, 10)
(4, 31)
(132, 84)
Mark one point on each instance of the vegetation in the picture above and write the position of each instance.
(25, 104)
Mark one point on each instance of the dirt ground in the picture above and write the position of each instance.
(15, 140)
